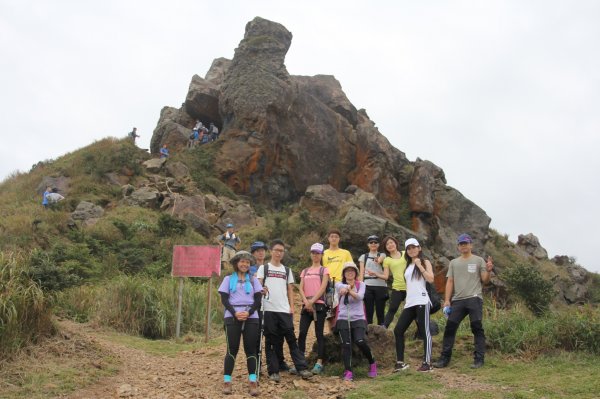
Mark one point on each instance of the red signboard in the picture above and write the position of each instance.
(196, 260)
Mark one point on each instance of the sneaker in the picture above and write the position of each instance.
(425, 367)
(318, 369)
(293, 371)
(348, 376)
(400, 366)
(477, 364)
(253, 388)
(275, 377)
(441, 363)
(305, 374)
(372, 370)
(227, 388)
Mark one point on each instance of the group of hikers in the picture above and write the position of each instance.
(202, 134)
(258, 300)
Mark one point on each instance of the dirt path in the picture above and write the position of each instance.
(196, 374)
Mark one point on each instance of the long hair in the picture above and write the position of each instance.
(416, 274)
(383, 248)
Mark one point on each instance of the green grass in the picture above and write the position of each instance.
(560, 375)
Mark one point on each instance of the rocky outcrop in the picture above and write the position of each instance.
(60, 183)
(148, 197)
(177, 170)
(154, 165)
(87, 211)
(217, 71)
(173, 129)
(530, 244)
(202, 101)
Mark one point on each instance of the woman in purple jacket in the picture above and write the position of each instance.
(241, 297)
(351, 321)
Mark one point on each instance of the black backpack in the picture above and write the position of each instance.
(434, 297)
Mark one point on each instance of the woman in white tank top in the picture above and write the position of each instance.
(417, 305)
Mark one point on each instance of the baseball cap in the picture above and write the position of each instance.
(464, 238)
(229, 225)
(349, 265)
(372, 238)
(317, 247)
(256, 245)
(411, 241)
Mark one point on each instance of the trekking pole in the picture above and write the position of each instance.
(349, 327)
(260, 339)
(244, 322)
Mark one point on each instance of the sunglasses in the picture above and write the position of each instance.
(373, 242)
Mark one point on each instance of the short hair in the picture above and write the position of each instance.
(277, 241)
(334, 231)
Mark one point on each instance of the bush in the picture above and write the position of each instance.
(141, 305)
(24, 309)
(168, 225)
(529, 284)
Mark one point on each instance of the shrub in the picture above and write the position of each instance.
(24, 309)
(529, 284)
(168, 225)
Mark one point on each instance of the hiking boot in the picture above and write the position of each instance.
(293, 371)
(305, 374)
(318, 369)
(284, 367)
(400, 366)
(477, 364)
(227, 388)
(275, 377)
(425, 367)
(253, 388)
(348, 377)
(441, 363)
(372, 373)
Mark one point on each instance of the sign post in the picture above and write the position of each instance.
(195, 261)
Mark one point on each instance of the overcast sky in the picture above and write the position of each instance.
(503, 95)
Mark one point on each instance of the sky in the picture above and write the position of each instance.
(504, 96)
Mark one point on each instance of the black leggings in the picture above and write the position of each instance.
(305, 319)
(420, 313)
(375, 299)
(233, 334)
(356, 335)
(395, 301)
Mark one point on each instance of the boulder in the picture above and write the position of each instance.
(178, 170)
(531, 245)
(154, 165)
(199, 224)
(365, 201)
(173, 129)
(117, 179)
(202, 101)
(148, 197)
(322, 201)
(60, 183)
(87, 210)
(127, 189)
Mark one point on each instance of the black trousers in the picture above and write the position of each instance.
(375, 299)
(420, 313)
(279, 327)
(395, 301)
(306, 318)
(356, 334)
(233, 334)
(460, 309)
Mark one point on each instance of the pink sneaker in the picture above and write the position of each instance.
(348, 375)
(372, 370)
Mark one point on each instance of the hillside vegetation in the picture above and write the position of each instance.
(116, 271)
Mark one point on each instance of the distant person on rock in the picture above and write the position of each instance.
(228, 242)
(375, 276)
(351, 322)
(464, 296)
(396, 263)
(278, 281)
(333, 259)
(45, 197)
(133, 135)
(164, 151)
(313, 283)
(54, 197)
(417, 306)
(193, 140)
(241, 296)
(214, 132)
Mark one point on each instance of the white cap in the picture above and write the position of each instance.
(411, 241)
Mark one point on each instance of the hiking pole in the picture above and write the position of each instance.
(260, 338)
(244, 322)
(349, 328)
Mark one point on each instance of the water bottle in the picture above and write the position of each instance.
(447, 310)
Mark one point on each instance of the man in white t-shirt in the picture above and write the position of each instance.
(279, 312)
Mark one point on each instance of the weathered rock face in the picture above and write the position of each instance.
(281, 135)
(531, 245)
(60, 183)
(154, 165)
(87, 210)
(148, 197)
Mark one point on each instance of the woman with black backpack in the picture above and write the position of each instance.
(417, 307)
(313, 283)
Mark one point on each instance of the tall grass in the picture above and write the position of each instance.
(142, 305)
(24, 309)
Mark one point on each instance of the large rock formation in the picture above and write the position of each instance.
(288, 137)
